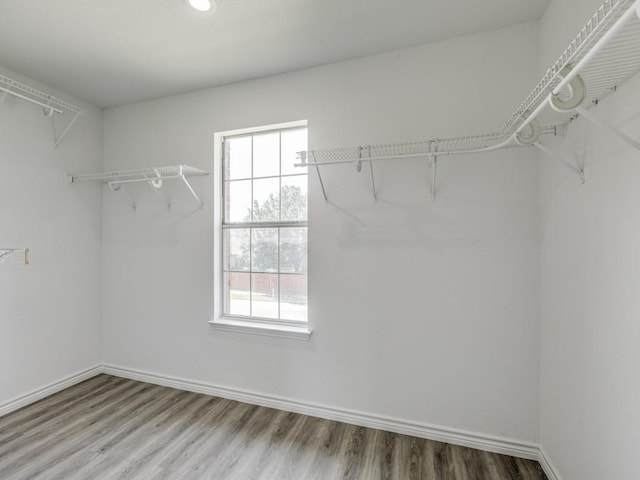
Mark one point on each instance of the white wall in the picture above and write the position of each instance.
(50, 311)
(421, 311)
(590, 272)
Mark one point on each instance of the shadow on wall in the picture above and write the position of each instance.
(474, 205)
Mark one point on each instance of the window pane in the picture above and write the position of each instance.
(293, 297)
(294, 197)
(266, 200)
(264, 250)
(264, 295)
(266, 155)
(293, 250)
(265, 263)
(238, 201)
(293, 141)
(237, 294)
(236, 249)
(238, 158)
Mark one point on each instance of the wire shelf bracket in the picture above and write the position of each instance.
(57, 139)
(434, 177)
(154, 177)
(303, 161)
(573, 103)
(128, 199)
(50, 105)
(567, 163)
(602, 123)
(155, 183)
(359, 169)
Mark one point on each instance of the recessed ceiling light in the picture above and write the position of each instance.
(203, 5)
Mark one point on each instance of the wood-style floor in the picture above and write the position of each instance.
(112, 428)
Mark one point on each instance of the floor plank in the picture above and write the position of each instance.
(113, 428)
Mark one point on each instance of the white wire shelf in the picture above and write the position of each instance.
(18, 256)
(605, 54)
(18, 89)
(49, 103)
(153, 176)
(140, 175)
(425, 148)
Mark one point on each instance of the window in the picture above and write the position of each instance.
(264, 229)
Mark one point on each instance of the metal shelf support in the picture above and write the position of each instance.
(191, 190)
(608, 126)
(434, 177)
(57, 140)
(303, 162)
(373, 182)
(117, 187)
(155, 183)
(556, 156)
(324, 192)
(359, 168)
(433, 163)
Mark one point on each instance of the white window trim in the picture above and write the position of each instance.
(237, 324)
(227, 324)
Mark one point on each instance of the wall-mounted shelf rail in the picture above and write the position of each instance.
(431, 149)
(18, 256)
(604, 54)
(50, 105)
(153, 176)
(424, 148)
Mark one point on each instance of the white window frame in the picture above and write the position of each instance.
(278, 328)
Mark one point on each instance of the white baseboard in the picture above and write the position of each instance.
(40, 393)
(432, 432)
(547, 466)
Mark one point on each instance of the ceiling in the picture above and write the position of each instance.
(113, 52)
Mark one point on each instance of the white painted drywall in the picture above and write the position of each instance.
(590, 272)
(422, 311)
(50, 311)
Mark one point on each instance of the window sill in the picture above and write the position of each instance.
(242, 326)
